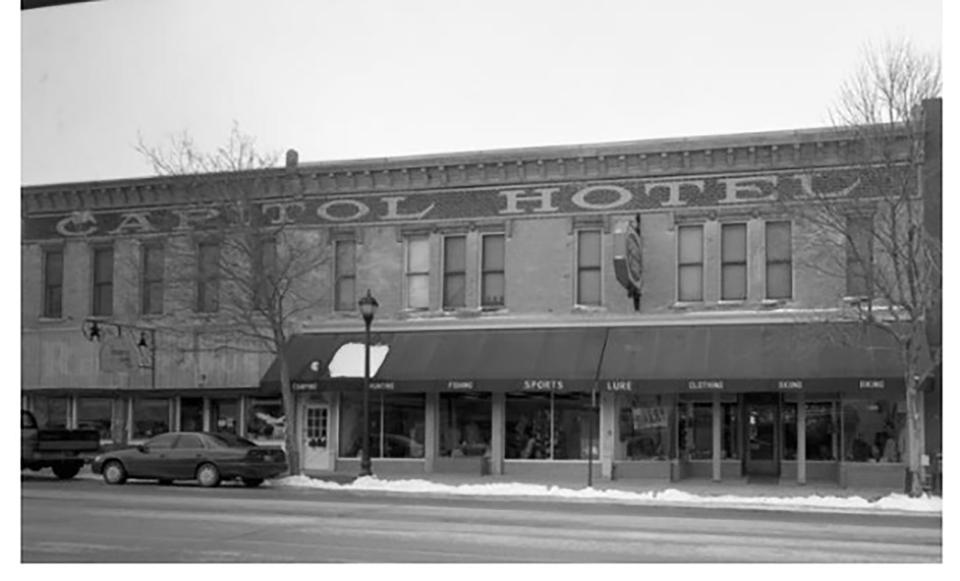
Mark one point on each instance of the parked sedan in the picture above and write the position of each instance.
(209, 458)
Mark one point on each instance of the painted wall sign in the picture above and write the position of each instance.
(459, 385)
(619, 386)
(872, 384)
(543, 385)
(705, 384)
(790, 384)
(116, 354)
(448, 204)
(628, 257)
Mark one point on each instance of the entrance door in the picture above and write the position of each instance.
(762, 425)
(316, 451)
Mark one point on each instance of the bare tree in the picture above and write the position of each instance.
(869, 236)
(248, 276)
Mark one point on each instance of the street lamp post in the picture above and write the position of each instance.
(368, 308)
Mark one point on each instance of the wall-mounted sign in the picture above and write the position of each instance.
(628, 259)
(543, 385)
(705, 384)
(619, 385)
(456, 204)
(381, 385)
(790, 384)
(303, 386)
(459, 385)
(117, 354)
(872, 384)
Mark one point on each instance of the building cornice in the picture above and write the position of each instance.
(654, 158)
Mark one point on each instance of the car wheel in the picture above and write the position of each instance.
(208, 475)
(66, 471)
(252, 482)
(114, 473)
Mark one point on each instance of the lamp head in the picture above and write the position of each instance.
(368, 306)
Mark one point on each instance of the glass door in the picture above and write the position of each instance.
(762, 427)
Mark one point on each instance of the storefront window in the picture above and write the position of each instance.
(730, 446)
(224, 415)
(51, 412)
(821, 431)
(644, 428)
(397, 425)
(464, 424)
(874, 431)
(150, 417)
(788, 418)
(551, 426)
(696, 430)
(265, 419)
(191, 414)
(95, 413)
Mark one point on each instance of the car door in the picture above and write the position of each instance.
(186, 455)
(150, 459)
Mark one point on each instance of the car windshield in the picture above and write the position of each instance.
(231, 441)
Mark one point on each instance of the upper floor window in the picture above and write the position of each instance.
(53, 283)
(588, 267)
(454, 272)
(733, 262)
(779, 275)
(264, 279)
(859, 255)
(208, 277)
(102, 282)
(418, 272)
(493, 281)
(151, 284)
(345, 274)
(690, 263)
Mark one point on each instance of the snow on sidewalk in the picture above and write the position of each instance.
(670, 496)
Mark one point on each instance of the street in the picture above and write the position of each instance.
(87, 521)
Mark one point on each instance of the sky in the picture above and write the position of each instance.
(348, 79)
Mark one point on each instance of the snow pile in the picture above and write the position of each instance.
(672, 496)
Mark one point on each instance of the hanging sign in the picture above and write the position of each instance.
(628, 259)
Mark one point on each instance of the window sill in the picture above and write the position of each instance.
(731, 302)
(42, 319)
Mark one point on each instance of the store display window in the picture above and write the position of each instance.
(95, 413)
(397, 425)
(643, 427)
(874, 431)
(549, 426)
(191, 414)
(821, 433)
(465, 424)
(151, 416)
(225, 415)
(266, 420)
(51, 412)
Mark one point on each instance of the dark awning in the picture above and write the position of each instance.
(768, 357)
(483, 360)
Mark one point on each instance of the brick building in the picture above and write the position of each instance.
(647, 303)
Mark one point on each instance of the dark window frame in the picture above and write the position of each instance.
(102, 295)
(410, 274)
(788, 261)
(208, 283)
(486, 271)
(681, 265)
(725, 263)
(49, 310)
(148, 279)
(340, 275)
(859, 268)
(449, 274)
(582, 268)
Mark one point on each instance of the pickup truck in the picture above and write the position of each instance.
(65, 451)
